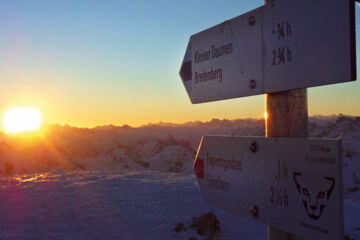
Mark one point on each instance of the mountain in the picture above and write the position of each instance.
(160, 147)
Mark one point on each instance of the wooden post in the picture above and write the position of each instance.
(287, 116)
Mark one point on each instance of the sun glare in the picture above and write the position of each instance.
(22, 119)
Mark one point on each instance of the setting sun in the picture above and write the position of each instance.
(22, 119)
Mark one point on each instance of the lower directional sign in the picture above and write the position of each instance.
(293, 184)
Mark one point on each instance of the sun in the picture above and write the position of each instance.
(22, 119)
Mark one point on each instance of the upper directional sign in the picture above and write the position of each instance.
(284, 45)
(293, 184)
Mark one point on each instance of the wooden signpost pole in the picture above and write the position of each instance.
(287, 114)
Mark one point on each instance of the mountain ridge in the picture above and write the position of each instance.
(163, 148)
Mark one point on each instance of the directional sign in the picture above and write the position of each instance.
(284, 45)
(221, 62)
(293, 184)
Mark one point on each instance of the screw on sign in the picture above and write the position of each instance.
(252, 84)
(253, 146)
(252, 20)
(254, 210)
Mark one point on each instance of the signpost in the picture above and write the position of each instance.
(283, 45)
(293, 184)
(290, 182)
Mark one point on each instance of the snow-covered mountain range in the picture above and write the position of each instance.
(160, 147)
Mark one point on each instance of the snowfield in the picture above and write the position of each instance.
(104, 205)
(135, 183)
(118, 205)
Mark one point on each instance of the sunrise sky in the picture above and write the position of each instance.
(89, 63)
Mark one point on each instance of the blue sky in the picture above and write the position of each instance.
(88, 63)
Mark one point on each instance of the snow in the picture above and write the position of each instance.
(107, 205)
(118, 205)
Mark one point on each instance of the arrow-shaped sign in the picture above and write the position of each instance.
(284, 45)
(293, 184)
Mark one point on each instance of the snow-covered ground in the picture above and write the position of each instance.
(118, 205)
(135, 183)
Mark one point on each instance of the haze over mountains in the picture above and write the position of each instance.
(159, 147)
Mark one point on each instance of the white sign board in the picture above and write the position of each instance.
(293, 184)
(281, 46)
